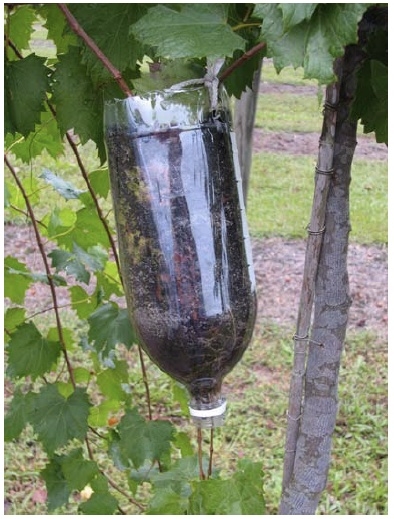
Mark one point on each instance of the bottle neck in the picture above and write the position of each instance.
(207, 406)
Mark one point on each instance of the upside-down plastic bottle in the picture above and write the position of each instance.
(183, 240)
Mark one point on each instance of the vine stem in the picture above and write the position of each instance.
(245, 57)
(199, 443)
(74, 25)
(47, 269)
(145, 381)
(210, 454)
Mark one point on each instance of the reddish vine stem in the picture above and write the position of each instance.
(199, 443)
(210, 466)
(145, 381)
(74, 25)
(245, 57)
(47, 269)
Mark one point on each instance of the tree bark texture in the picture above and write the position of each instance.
(316, 228)
(244, 117)
(331, 307)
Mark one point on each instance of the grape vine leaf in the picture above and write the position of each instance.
(29, 353)
(82, 302)
(12, 319)
(24, 100)
(20, 26)
(314, 42)
(57, 420)
(16, 417)
(63, 187)
(111, 381)
(293, 14)
(168, 502)
(195, 31)
(77, 262)
(56, 484)
(102, 502)
(56, 25)
(100, 414)
(110, 325)
(79, 105)
(70, 263)
(77, 470)
(141, 440)
(86, 231)
(240, 495)
(17, 279)
(372, 84)
(99, 180)
(108, 25)
(46, 136)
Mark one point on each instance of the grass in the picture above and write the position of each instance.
(257, 389)
(302, 113)
(281, 192)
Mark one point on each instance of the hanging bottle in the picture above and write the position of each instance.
(183, 240)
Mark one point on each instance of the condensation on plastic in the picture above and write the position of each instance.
(183, 240)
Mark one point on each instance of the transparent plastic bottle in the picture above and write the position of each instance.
(183, 241)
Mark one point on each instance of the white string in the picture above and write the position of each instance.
(210, 81)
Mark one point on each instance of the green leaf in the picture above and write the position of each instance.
(67, 261)
(109, 281)
(56, 419)
(241, 495)
(109, 326)
(56, 484)
(108, 25)
(46, 136)
(77, 470)
(15, 283)
(332, 27)
(79, 104)
(112, 381)
(82, 302)
(25, 87)
(63, 187)
(309, 36)
(99, 414)
(196, 31)
(293, 14)
(20, 26)
(29, 353)
(77, 262)
(181, 395)
(99, 180)
(180, 476)
(166, 501)
(101, 501)
(88, 231)
(141, 440)
(56, 24)
(58, 223)
(372, 84)
(182, 442)
(12, 319)
(16, 417)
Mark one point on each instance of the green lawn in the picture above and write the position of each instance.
(281, 191)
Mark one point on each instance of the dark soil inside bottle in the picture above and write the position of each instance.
(181, 239)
